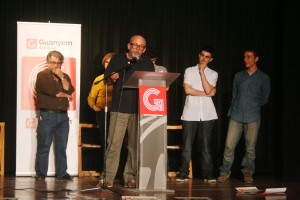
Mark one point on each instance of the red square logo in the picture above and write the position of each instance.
(152, 100)
(31, 43)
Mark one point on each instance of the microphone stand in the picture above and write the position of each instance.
(105, 136)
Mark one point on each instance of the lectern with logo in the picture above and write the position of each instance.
(152, 144)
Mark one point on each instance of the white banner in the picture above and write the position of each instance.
(35, 40)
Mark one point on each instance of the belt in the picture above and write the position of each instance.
(53, 111)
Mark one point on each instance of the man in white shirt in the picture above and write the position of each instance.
(199, 115)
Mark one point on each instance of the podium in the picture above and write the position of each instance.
(152, 143)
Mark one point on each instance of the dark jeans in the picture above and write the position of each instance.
(52, 126)
(202, 130)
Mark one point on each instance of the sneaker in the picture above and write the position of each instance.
(108, 185)
(130, 184)
(100, 183)
(248, 177)
(182, 178)
(101, 179)
(223, 178)
(66, 177)
(210, 179)
(40, 177)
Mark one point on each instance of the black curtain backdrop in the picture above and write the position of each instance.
(176, 29)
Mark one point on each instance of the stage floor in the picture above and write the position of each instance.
(85, 188)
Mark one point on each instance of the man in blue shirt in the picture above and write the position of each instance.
(251, 89)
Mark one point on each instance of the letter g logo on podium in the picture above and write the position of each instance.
(152, 100)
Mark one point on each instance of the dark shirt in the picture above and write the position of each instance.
(125, 100)
(47, 86)
(248, 95)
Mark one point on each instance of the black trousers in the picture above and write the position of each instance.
(202, 131)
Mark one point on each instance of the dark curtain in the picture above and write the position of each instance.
(176, 29)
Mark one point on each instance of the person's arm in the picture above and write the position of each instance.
(208, 88)
(114, 77)
(213, 92)
(266, 90)
(62, 94)
(234, 90)
(110, 71)
(189, 90)
(68, 88)
(91, 99)
(64, 81)
(193, 92)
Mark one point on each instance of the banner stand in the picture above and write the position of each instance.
(34, 41)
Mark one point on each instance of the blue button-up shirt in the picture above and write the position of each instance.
(249, 93)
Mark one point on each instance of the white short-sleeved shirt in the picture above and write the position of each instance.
(199, 108)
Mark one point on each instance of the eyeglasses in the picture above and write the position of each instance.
(55, 63)
(136, 46)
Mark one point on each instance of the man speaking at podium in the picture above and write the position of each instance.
(124, 111)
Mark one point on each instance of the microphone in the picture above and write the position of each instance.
(133, 61)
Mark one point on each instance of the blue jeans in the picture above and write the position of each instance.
(52, 126)
(203, 130)
(234, 133)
